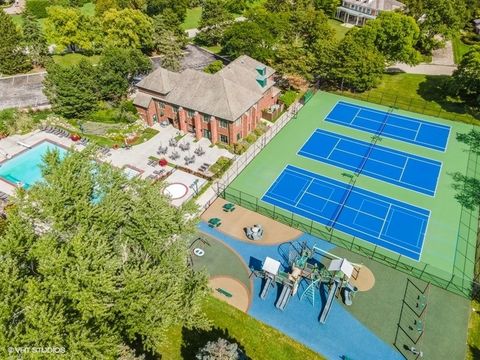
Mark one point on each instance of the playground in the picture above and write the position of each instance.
(332, 300)
(371, 179)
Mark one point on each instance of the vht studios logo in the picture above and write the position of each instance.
(36, 350)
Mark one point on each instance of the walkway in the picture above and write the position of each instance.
(16, 8)
(442, 63)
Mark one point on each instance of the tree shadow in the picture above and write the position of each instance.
(475, 352)
(194, 339)
(435, 89)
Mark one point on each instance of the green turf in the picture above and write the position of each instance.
(459, 48)
(220, 260)
(423, 94)
(340, 30)
(440, 252)
(259, 341)
(74, 59)
(192, 19)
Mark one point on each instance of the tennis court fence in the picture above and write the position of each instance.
(459, 112)
(461, 284)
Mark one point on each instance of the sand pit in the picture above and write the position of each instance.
(240, 294)
(234, 222)
(365, 279)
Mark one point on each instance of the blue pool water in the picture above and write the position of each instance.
(25, 168)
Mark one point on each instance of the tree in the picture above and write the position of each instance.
(468, 190)
(34, 41)
(94, 262)
(117, 69)
(179, 7)
(12, 58)
(101, 6)
(72, 90)
(294, 59)
(357, 65)
(214, 67)
(215, 17)
(127, 28)
(69, 28)
(395, 36)
(472, 139)
(168, 20)
(465, 81)
(220, 349)
(248, 38)
(169, 49)
(329, 7)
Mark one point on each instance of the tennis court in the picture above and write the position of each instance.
(378, 219)
(396, 167)
(411, 130)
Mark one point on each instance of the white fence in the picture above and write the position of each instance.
(240, 162)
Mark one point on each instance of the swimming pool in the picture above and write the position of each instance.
(25, 167)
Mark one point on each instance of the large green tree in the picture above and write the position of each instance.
(95, 263)
(72, 90)
(127, 28)
(465, 81)
(34, 41)
(179, 7)
(117, 70)
(69, 28)
(329, 7)
(213, 22)
(169, 48)
(395, 36)
(12, 57)
(357, 65)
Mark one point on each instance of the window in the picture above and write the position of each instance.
(175, 109)
(161, 105)
(223, 124)
(224, 139)
(207, 134)
(190, 113)
(239, 136)
(206, 118)
(155, 119)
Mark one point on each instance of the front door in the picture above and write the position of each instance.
(207, 134)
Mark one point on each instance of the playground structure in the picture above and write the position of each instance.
(304, 267)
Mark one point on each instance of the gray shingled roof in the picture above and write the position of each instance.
(142, 100)
(226, 95)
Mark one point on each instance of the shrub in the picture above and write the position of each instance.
(251, 138)
(38, 8)
(222, 164)
(128, 106)
(471, 39)
(288, 97)
(220, 349)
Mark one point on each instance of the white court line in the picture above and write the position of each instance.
(387, 123)
(385, 219)
(333, 148)
(397, 115)
(303, 192)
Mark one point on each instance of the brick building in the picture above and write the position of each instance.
(223, 107)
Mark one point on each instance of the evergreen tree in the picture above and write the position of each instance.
(465, 81)
(169, 48)
(117, 69)
(220, 349)
(94, 262)
(12, 57)
(72, 90)
(213, 22)
(34, 41)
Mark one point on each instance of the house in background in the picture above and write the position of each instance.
(357, 12)
(223, 107)
(476, 26)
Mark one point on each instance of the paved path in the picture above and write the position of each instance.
(191, 33)
(442, 63)
(16, 8)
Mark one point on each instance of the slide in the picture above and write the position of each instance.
(284, 297)
(266, 287)
(329, 303)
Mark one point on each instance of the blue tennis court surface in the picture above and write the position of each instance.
(415, 131)
(396, 167)
(380, 220)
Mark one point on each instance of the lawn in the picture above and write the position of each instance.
(473, 339)
(340, 30)
(459, 48)
(423, 94)
(260, 342)
(74, 59)
(192, 19)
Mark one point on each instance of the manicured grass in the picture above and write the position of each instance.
(74, 59)
(259, 341)
(340, 30)
(216, 49)
(459, 48)
(473, 339)
(192, 19)
(423, 94)
(147, 134)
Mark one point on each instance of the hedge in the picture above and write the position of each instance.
(38, 8)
